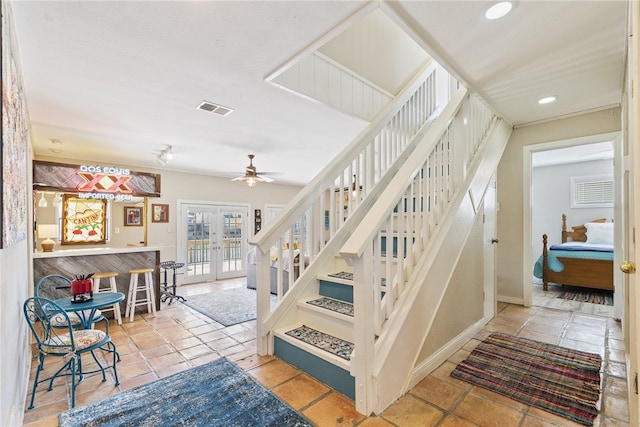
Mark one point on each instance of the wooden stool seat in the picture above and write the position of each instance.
(105, 275)
(132, 299)
(141, 271)
(111, 275)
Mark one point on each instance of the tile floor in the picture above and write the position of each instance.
(177, 338)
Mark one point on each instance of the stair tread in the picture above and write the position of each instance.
(323, 341)
(342, 275)
(345, 275)
(333, 305)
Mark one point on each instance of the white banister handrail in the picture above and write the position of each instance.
(379, 212)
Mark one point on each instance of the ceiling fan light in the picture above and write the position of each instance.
(251, 181)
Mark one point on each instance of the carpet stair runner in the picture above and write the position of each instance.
(334, 345)
(333, 305)
(321, 342)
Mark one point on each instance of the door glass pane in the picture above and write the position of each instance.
(198, 243)
(232, 258)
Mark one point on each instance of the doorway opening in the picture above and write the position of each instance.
(551, 172)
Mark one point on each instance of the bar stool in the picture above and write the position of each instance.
(169, 290)
(111, 275)
(132, 299)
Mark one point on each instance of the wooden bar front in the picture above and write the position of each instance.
(74, 262)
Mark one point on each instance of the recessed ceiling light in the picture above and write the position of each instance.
(498, 10)
(547, 100)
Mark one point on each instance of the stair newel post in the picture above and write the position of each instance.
(363, 357)
(263, 307)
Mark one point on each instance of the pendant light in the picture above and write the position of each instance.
(42, 203)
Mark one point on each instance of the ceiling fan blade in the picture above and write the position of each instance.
(261, 177)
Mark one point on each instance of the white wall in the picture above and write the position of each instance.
(509, 255)
(551, 196)
(462, 305)
(14, 270)
(14, 353)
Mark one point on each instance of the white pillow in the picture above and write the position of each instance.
(599, 233)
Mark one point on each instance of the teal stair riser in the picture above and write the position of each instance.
(334, 376)
(336, 291)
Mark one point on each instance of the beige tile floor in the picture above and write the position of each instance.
(178, 338)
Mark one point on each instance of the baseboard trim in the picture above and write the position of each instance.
(444, 353)
(510, 300)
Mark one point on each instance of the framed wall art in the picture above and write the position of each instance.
(83, 220)
(15, 140)
(159, 213)
(132, 216)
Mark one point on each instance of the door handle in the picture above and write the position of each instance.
(495, 241)
(628, 267)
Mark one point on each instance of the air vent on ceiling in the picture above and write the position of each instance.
(214, 108)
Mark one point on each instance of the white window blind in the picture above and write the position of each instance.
(592, 191)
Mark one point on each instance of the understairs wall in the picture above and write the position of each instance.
(462, 305)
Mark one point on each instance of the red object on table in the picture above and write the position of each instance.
(82, 290)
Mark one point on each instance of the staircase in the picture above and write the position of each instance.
(322, 342)
(375, 231)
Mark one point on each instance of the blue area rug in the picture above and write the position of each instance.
(216, 394)
(227, 307)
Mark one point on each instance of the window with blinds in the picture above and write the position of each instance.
(594, 191)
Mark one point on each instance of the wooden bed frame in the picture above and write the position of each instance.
(587, 273)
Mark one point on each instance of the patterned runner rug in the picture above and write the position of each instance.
(559, 380)
(593, 296)
(215, 394)
(349, 276)
(333, 305)
(334, 345)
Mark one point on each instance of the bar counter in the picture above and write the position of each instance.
(82, 261)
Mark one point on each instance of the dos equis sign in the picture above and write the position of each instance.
(95, 181)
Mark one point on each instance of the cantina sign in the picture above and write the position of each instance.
(95, 182)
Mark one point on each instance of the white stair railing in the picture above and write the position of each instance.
(387, 246)
(316, 215)
(399, 236)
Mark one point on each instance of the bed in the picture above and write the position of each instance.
(584, 258)
(285, 253)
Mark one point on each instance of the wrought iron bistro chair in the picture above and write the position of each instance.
(54, 287)
(65, 342)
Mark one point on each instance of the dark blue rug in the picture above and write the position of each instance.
(216, 394)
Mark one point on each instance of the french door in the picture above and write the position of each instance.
(213, 241)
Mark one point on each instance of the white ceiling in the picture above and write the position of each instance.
(116, 81)
(574, 154)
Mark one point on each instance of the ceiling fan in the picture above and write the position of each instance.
(251, 176)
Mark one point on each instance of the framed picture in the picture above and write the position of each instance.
(15, 140)
(132, 216)
(83, 220)
(159, 213)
